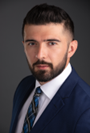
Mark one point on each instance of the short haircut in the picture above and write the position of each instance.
(44, 14)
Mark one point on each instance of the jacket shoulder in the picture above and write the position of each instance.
(23, 85)
(27, 80)
(80, 83)
(84, 86)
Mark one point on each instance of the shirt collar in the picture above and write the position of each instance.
(51, 87)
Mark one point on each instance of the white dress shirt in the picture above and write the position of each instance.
(49, 90)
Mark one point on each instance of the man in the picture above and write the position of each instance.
(55, 99)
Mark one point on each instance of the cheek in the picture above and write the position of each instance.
(30, 56)
(57, 57)
(57, 54)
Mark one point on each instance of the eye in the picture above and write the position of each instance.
(52, 43)
(31, 43)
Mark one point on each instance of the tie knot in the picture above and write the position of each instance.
(38, 90)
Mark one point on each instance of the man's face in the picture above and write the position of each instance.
(46, 49)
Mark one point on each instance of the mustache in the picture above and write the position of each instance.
(43, 62)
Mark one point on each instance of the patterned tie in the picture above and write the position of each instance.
(32, 112)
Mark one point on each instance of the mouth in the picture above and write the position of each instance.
(42, 66)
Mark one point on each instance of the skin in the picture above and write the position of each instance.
(51, 43)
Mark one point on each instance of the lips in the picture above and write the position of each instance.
(42, 66)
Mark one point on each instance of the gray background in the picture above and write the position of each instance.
(13, 65)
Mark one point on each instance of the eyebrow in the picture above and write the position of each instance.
(52, 40)
(32, 40)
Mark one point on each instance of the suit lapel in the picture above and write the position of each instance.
(56, 103)
(21, 96)
(52, 109)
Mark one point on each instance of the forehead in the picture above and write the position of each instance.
(45, 31)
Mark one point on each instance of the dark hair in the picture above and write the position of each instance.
(43, 14)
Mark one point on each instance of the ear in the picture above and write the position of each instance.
(23, 45)
(23, 42)
(72, 48)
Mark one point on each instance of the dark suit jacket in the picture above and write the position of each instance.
(68, 111)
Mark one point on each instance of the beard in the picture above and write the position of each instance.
(45, 75)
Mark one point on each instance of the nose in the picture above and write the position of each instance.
(41, 52)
